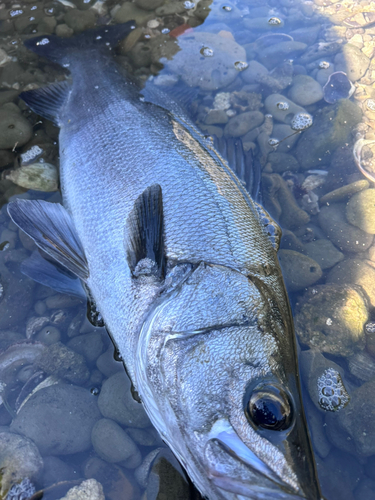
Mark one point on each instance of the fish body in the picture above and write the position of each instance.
(181, 265)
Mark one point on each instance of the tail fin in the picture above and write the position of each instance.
(60, 50)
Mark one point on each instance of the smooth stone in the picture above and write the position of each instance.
(149, 4)
(107, 364)
(59, 360)
(37, 176)
(357, 272)
(116, 402)
(305, 90)
(80, 20)
(16, 303)
(241, 124)
(343, 235)
(273, 105)
(331, 318)
(216, 116)
(330, 130)
(323, 74)
(324, 253)
(113, 444)
(299, 270)
(316, 427)
(254, 72)
(49, 335)
(56, 470)
(166, 481)
(365, 489)
(352, 61)
(360, 211)
(271, 56)
(59, 419)
(320, 50)
(307, 34)
(19, 458)
(344, 192)
(15, 130)
(144, 437)
(362, 365)
(281, 162)
(87, 490)
(89, 345)
(339, 473)
(285, 134)
(208, 73)
(64, 31)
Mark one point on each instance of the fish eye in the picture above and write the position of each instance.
(269, 407)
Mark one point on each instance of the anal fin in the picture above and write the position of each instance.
(52, 229)
(144, 230)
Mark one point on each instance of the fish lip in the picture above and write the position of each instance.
(223, 434)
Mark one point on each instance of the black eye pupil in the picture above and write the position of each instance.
(269, 408)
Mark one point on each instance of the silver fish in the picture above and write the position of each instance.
(181, 264)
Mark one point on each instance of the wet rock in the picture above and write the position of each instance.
(56, 470)
(7, 338)
(330, 130)
(352, 61)
(23, 490)
(331, 318)
(344, 192)
(339, 475)
(116, 402)
(316, 427)
(144, 437)
(362, 366)
(360, 211)
(346, 237)
(15, 130)
(59, 419)
(282, 162)
(271, 56)
(166, 481)
(320, 50)
(324, 253)
(37, 176)
(356, 421)
(89, 345)
(148, 4)
(130, 11)
(49, 335)
(59, 360)
(241, 124)
(287, 137)
(323, 75)
(254, 72)
(87, 490)
(64, 31)
(63, 301)
(355, 271)
(107, 364)
(365, 489)
(305, 90)
(299, 270)
(282, 108)
(80, 20)
(217, 116)
(19, 458)
(113, 444)
(206, 60)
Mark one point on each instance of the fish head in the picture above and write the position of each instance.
(222, 387)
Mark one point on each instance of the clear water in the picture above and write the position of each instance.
(217, 47)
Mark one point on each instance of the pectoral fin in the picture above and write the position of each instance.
(144, 230)
(52, 229)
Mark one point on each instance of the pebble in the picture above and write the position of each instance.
(64, 31)
(305, 90)
(241, 124)
(216, 116)
(87, 490)
(282, 108)
(59, 419)
(323, 74)
(107, 364)
(316, 427)
(56, 470)
(281, 162)
(15, 130)
(113, 444)
(360, 211)
(343, 235)
(144, 437)
(89, 345)
(324, 253)
(17, 301)
(352, 61)
(116, 402)
(148, 4)
(59, 360)
(355, 271)
(80, 20)
(365, 489)
(271, 56)
(254, 72)
(331, 318)
(299, 270)
(49, 335)
(19, 458)
(287, 135)
(330, 130)
(344, 192)
(38, 176)
(362, 365)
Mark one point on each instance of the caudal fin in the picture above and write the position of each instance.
(61, 50)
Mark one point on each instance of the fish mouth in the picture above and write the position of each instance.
(270, 485)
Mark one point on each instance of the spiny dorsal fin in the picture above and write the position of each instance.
(52, 229)
(144, 230)
(47, 101)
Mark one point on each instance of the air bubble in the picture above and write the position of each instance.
(241, 65)
(273, 142)
(370, 103)
(43, 41)
(282, 105)
(301, 121)
(189, 5)
(324, 65)
(206, 52)
(331, 391)
(274, 21)
(227, 8)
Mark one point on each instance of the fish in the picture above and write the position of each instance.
(182, 264)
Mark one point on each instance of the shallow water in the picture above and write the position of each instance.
(248, 60)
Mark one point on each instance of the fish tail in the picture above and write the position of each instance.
(61, 50)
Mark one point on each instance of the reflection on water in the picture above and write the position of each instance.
(295, 81)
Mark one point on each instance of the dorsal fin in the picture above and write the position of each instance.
(47, 101)
(52, 229)
(144, 230)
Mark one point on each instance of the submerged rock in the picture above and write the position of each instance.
(87, 490)
(21, 491)
(324, 253)
(360, 210)
(299, 270)
(352, 61)
(15, 130)
(37, 176)
(305, 90)
(338, 87)
(331, 318)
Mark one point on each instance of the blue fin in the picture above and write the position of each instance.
(52, 229)
(49, 274)
(61, 50)
(144, 230)
(47, 101)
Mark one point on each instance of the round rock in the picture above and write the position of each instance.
(299, 270)
(331, 318)
(241, 124)
(352, 61)
(14, 129)
(324, 253)
(87, 490)
(360, 210)
(116, 402)
(59, 419)
(305, 90)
